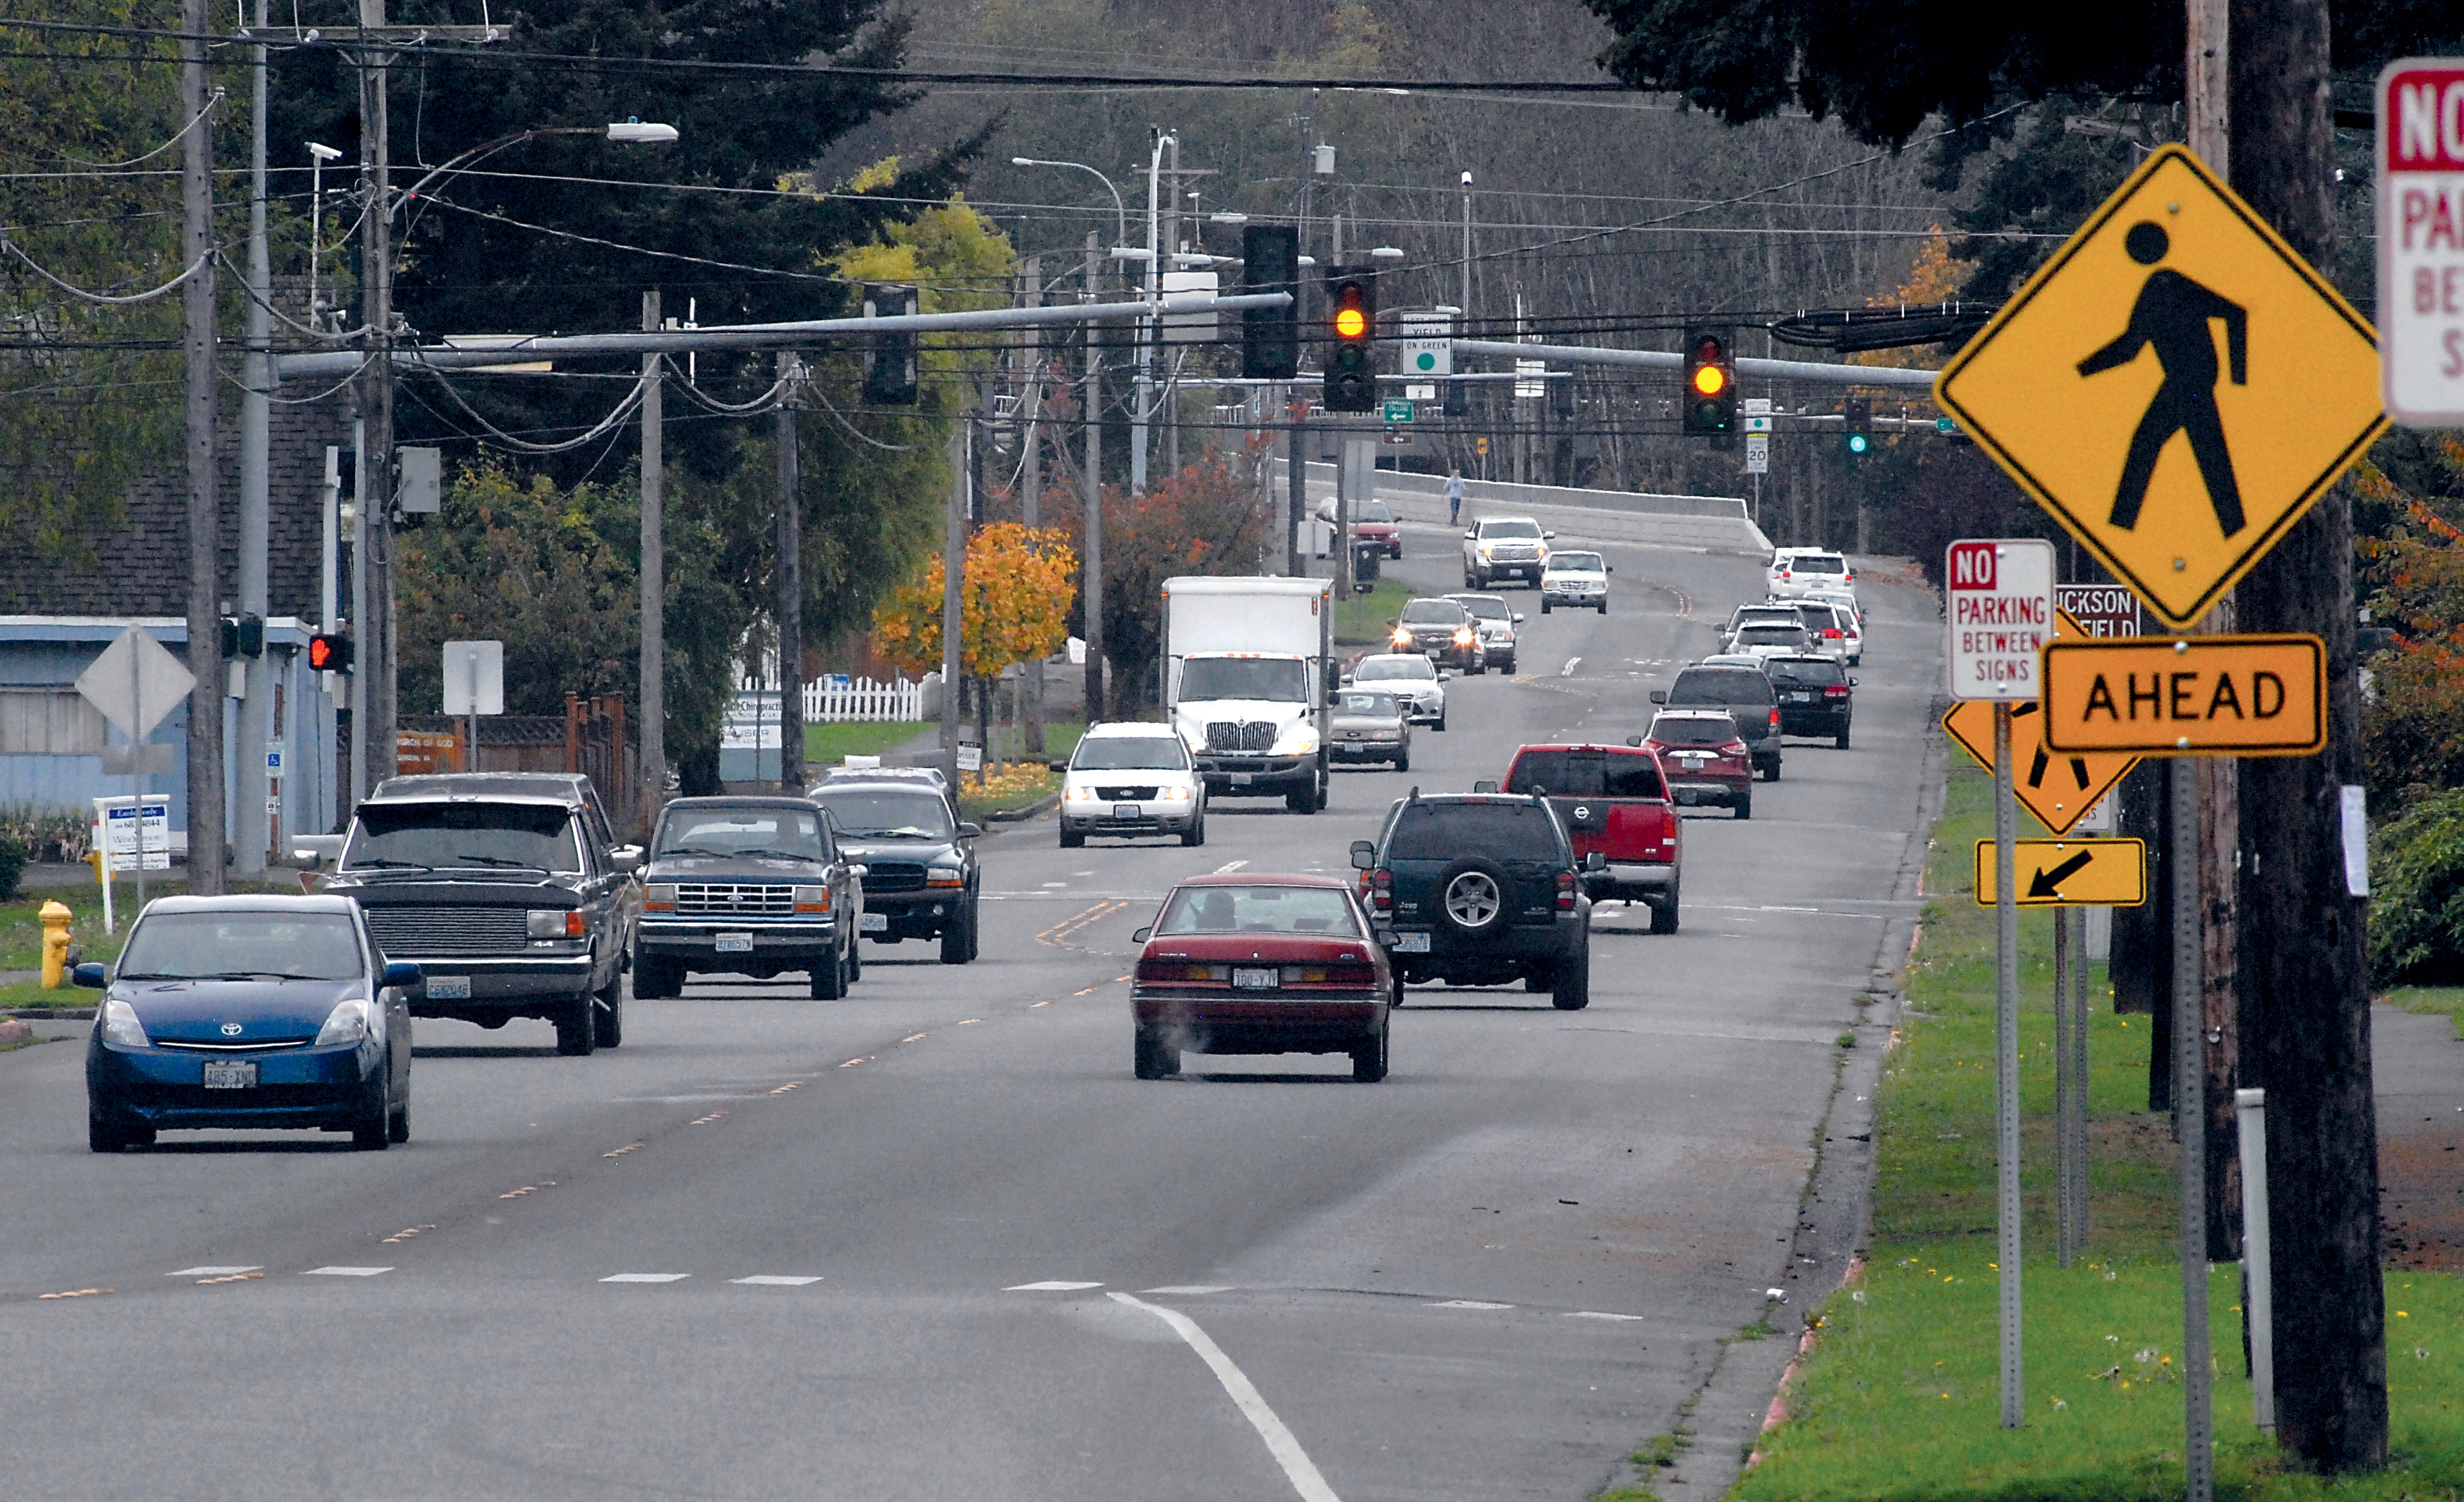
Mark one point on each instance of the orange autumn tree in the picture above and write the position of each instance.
(1014, 596)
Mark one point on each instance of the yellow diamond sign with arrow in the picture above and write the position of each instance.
(2176, 386)
(2057, 787)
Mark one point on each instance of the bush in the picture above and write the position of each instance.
(12, 864)
(2417, 896)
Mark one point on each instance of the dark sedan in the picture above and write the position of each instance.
(1260, 965)
(250, 1012)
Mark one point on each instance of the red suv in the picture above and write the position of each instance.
(1614, 800)
(1706, 759)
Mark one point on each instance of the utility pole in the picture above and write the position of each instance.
(205, 843)
(1030, 485)
(1295, 477)
(373, 731)
(1142, 409)
(953, 560)
(1092, 593)
(789, 577)
(652, 711)
(252, 832)
(2304, 986)
(1466, 260)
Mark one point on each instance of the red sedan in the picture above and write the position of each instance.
(1260, 965)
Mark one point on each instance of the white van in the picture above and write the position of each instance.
(1130, 780)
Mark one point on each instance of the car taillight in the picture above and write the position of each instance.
(1165, 972)
(1774, 720)
(1834, 693)
(1381, 888)
(1565, 892)
(1834, 633)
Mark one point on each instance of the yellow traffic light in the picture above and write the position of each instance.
(1351, 323)
(1710, 380)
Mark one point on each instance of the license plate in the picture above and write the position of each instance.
(1800, 698)
(1263, 978)
(1691, 763)
(1411, 943)
(734, 944)
(231, 1074)
(1240, 779)
(1125, 811)
(449, 988)
(874, 923)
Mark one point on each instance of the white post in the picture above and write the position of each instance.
(2258, 1300)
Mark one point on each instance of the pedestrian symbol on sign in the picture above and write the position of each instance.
(2172, 313)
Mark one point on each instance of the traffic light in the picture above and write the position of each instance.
(1351, 320)
(1270, 338)
(1710, 399)
(329, 654)
(889, 356)
(1857, 421)
(243, 636)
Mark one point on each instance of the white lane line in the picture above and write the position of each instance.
(1568, 671)
(1468, 1303)
(1287, 1450)
(343, 1272)
(1594, 1313)
(1193, 1288)
(1051, 1285)
(1229, 867)
(1056, 884)
(772, 1280)
(647, 1277)
(210, 1272)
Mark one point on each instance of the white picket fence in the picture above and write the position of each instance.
(838, 700)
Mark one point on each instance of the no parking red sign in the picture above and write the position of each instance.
(1998, 598)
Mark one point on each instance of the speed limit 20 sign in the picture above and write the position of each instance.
(1998, 601)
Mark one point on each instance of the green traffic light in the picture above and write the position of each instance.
(1857, 442)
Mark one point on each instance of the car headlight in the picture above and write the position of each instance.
(348, 1022)
(812, 899)
(121, 1026)
(1463, 635)
(1174, 795)
(556, 924)
(1402, 637)
(1299, 741)
(659, 897)
(944, 876)
(1078, 793)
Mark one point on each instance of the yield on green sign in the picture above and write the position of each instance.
(1428, 344)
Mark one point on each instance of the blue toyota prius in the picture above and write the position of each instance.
(250, 1012)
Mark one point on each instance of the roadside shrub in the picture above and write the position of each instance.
(2417, 896)
(12, 864)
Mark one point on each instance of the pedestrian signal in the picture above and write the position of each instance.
(329, 654)
(1710, 399)
(889, 356)
(1857, 418)
(1352, 317)
(1270, 338)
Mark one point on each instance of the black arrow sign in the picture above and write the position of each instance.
(2048, 883)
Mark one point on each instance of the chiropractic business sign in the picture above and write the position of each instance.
(1999, 602)
(2421, 240)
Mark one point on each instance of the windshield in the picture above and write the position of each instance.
(1372, 669)
(1372, 706)
(1130, 753)
(1771, 636)
(187, 947)
(1586, 774)
(1502, 830)
(1432, 613)
(1576, 563)
(1671, 730)
(1800, 670)
(1280, 681)
(1259, 910)
(1373, 511)
(1819, 564)
(1486, 607)
(752, 831)
(887, 813)
(1492, 530)
(1721, 686)
(450, 835)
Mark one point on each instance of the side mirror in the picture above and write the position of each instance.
(1660, 695)
(1468, 537)
(626, 859)
(1364, 855)
(1140, 935)
(1634, 740)
(401, 973)
(968, 831)
(1487, 784)
(859, 871)
(1596, 860)
(1609, 569)
(1056, 766)
(317, 850)
(1445, 677)
(1547, 537)
(89, 975)
(1852, 683)
(1518, 617)
(1390, 620)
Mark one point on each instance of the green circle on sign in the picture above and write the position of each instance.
(1427, 361)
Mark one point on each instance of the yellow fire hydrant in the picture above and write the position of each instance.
(55, 916)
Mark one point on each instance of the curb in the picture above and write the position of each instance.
(47, 1014)
(1043, 805)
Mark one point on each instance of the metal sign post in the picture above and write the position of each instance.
(2006, 1069)
(2064, 1168)
(2190, 1132)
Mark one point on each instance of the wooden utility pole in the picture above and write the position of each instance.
(1030, 486)
(206, 857)
(1092, 593)
(374, 732)
(2303, 978)
(652, 689)
(790, 582)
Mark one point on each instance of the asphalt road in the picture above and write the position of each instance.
(935, 1241)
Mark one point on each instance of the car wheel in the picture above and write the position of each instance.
(105, 1135)
(607, 1017)
(1441, 720)
(1840, 740)
(1571, 991)
(855, 960)
(1544, 604)
(1404, 762)
(576, 1034)
(1475, 896)
(829, 979)
(1770, 773)
(1152, 1058)
(373, 1131)
(398, 1124)
(1195, 833)
(1072, 839)
(1368, 1057)
(1604, 608)
(1663, 914)
(1745, 804)
(959, 936)
(654, 980)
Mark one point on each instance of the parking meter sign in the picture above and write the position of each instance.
(1998, 594)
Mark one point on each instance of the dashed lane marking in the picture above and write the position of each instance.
(1049, 1286)
(1298, 1469)
(408, 1231)
(211, 1272)
(1468, 1303)
(630, 1147)
(528, 1188)
(1568, 671)
(1191, 1289)
(1594, 1314)
(345, 1272)
(1032, 1006)
(646, 1277)
(1229, 867)
(774, 1280)
(969, 1022)
(1090, 991)
(793, 1084)
(849, 1065)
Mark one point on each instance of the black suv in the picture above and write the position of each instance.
(1816, 696)
(921, 879)
(749, 886)
(506, 889)
(1746, 694)
(1443, 629)
(1479, 889)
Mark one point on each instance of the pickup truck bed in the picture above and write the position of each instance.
(1613, 800)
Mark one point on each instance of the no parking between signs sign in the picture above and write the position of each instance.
(1999, 598)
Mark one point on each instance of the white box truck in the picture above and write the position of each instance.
(1247, 668)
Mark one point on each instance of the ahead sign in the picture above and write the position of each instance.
(2421, 240)
(2192, 695)
(1999, 598)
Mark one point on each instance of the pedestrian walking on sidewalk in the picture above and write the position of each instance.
(1454, 494)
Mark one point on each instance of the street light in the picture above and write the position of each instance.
(635, 131)
(1120, 214)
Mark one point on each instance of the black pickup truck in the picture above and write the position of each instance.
(507, 890)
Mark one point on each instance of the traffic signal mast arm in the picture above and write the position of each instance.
(1667, 360)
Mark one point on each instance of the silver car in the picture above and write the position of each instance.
(1409, 676)
(1370, 726)
(1495, 623)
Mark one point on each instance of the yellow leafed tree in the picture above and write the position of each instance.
(1014, 596)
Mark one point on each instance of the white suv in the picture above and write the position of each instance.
(1504, 547)
(1131, 778)
(1797, 570)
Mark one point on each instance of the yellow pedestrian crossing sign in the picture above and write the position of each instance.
(2176, 386)
(2057, 787)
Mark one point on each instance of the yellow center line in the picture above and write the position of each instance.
(915, 1037)
(233, 1277)
(81, 1292)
